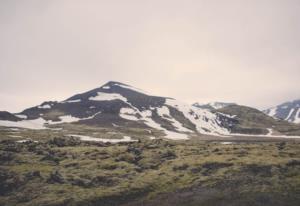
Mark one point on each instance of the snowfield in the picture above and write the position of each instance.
(203, 119)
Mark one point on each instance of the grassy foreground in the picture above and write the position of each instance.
(63, 172)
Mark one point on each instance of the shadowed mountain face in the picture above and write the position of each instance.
(117, 104)
(8, 116)
(289, 111)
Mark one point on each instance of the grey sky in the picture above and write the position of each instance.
(244, 51)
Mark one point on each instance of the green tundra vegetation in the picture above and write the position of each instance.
(63, 171)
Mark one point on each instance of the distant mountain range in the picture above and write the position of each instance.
(250, 120)
(120, 105)
(289, 111)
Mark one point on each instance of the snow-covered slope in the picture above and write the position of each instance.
(119, 104)
(213, 105)
(289, 111)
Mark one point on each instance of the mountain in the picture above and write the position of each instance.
(4, 115)
(289, 111)
(117, 104)
(254, 121)
(123, 106)
(213, 105)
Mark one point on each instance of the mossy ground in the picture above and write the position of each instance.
(55, 171)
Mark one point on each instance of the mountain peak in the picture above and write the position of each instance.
(119, 87)
(112, 87)
(112, 83)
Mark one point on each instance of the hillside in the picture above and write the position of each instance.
(289, 111)
(253, 121)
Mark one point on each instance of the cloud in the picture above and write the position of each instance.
(238, 51)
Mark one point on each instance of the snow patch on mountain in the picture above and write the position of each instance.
(205, 121)
(22, 116)
(213, 105)
(64, 119)
(101, 96)
(290, 114)
(128, 113)
(297, 117)
(267, 135)
(95, 139)
(228, 115)
(217, 105)
(70, 119)
(164, 112)
(41, 123)
(146, 118)
(72, 101)
(175, 135)
(45, 106)
(28, 124)
(287, 111)
(272, 111)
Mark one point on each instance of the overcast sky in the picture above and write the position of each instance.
(244, 51)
